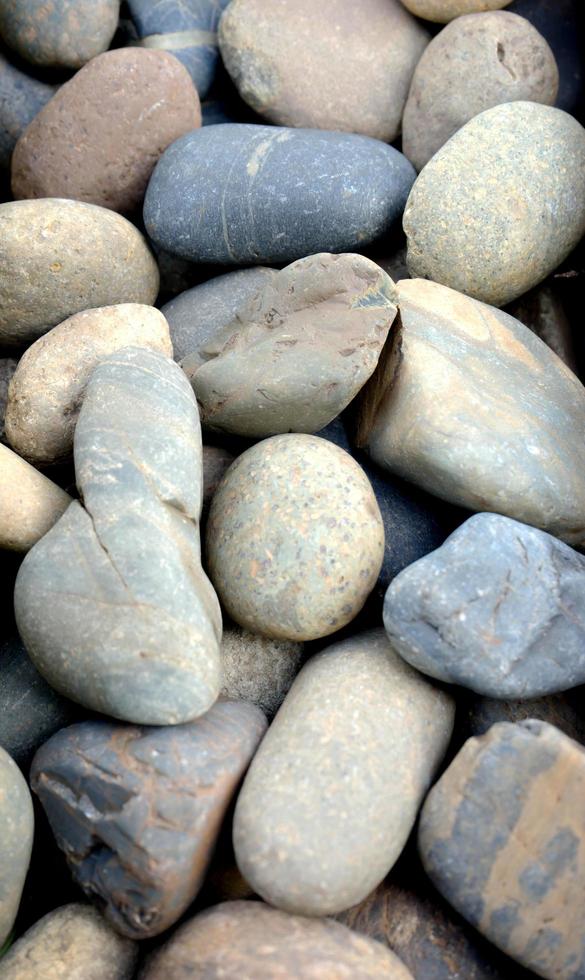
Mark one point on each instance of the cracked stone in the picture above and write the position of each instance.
(16, 838)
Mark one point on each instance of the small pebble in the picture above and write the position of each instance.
(21, 97)
(30, 503)
(442, 11)
(58, 33)
(16, 837)
(257, 669)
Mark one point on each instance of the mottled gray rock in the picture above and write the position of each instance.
(21, 97)
(502, 204)
(240, 194)
(294, 538)
(477, 410)
(502, 836)
(113, 605)
(30, 503)
(443, 11)
(334, 789)
(16, 837)
(7, 369)
(474, 63)
(58, 33)
(542, 311)
(299, 351)
(257, 669)
(137, 811)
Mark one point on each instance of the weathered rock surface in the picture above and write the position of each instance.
(7, 369)
(47, 389)
(58, 33)
(497, 609)
(480, 412)
(157, 798)
(21, 97)
(61, 257)
(16, 836)
(250, 939)
(100, 136)
(240, 194)
(274, 53)
(30, 503)
(294, 538)
(542, 311)
(333, 792)
(502, 836)
(113, 606)
(257, 669)
(442, 11)
(476, 62)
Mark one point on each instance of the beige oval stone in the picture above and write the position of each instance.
(47, 389)
(442, 11)
(30, 503)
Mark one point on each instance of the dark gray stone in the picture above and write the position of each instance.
(476, 714)
(499, 609)
(240, 194)
(16, 837)
(21, 97)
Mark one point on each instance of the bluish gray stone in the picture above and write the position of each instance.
(499, 609)
(241, 194)
(58, 33)
(21, 97)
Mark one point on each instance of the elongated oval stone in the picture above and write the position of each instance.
(333, 792)
(58, 33)
(21, 97)
(239, 194)
(442, 11)
(16, 837)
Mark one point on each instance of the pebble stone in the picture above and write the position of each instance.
(249, 939)
(442, 11)
(239, 194)
(16, 837)
(100, 136)
(299, 351)
(294, 539)
(275, 55)
(21, 97)
(497, 609)
(475, 218)
(333, 791)
(257, 669)
(73, 942)
(157, 798)
(30, 503)
(113, 605)
(59, 257)
(47, 389)
(7, 369)
(502, 836)
(481, 413)
(476, 62)
(58, 33)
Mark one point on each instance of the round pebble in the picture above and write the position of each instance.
(257, 669)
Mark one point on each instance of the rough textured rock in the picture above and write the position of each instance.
(294, 538)
(560, 22)
(495, 245)
(7, 369)
(274, 53)
(476, 714)
(334, 789)
(442, 11)
(542, 311)
(216, 462)
(16, 836)
(250, 939)
(113, 606)
(58, 33)
(240, 194)
(257, 669)
(157, 798)
(502, 836)
(47, 389)
(497, 609)
(72, 943)
(474, 63)
(21, 97)
(60, 257)
(299, 351)
(30, 503)
(477, 410)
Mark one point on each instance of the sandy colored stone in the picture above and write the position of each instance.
(60, 257)
(502, 836)
(30, 503)
(479, 411)
(237, 940)
(501, 204)
(16, 837)
(295, 539)
(442, 11)
(275, 55)
(216, 462)
(257, 669)
(47, 389)
(72, 943)
(58, 33)
(476, 62)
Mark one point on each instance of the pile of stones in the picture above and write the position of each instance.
(292, 490)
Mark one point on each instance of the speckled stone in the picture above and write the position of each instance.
(60, 257)
(21, 97)
(294, 538)
(113, 605)
(30, 503)
(474, 63)
(502, 836)
(157, 798)
(72, 943)
(274, 53)
(16, 836)
(442, 11)
(47, 388)
(333, 791)
(250, 939)
(480, 412)
(239, 194)
(475, 218)
(58, 33)
(7, 369)
(299, 351)
(257, 669)
(542, 311)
